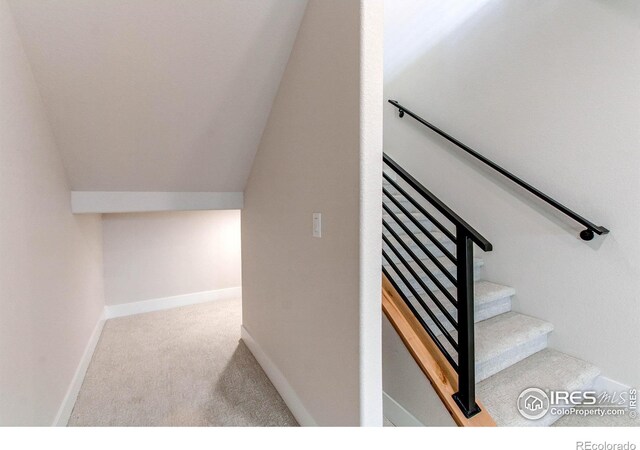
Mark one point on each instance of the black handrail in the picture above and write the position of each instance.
(586, 235)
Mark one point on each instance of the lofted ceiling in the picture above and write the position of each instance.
(158, 95)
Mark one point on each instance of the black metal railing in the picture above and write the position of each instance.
(431, 265)
(586, 234)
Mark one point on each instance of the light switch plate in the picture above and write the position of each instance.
(317, 225)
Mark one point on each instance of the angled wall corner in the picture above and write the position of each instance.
(371, 124)
(177, 103)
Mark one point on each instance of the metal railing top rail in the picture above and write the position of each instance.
(447, 212)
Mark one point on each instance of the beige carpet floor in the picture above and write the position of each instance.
(181, 367)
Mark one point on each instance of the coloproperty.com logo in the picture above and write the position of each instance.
(535, 403)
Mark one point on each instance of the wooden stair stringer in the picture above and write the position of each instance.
(433, 364)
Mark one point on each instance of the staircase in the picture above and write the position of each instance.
(478, 354)
(511, 352)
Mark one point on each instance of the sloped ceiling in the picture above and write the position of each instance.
(158, 95)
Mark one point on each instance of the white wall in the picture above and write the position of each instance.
(549, 90)
(407, 385)
(155, 255)
(51, 266)
(313, 305)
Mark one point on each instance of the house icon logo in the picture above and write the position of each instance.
(533, 403)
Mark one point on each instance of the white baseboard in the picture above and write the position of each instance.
(158, 304)
(281, 384)
(396, 414)
(69, 401)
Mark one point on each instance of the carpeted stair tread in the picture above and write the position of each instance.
(503, 340)
(547, 369)
(487, 291)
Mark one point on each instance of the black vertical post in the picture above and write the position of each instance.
(466, 395)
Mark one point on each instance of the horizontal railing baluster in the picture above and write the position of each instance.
(417, 315)
(463, 281)
(430, 313)
(422, 229)
(420, 208)
(422, 247)
(429, 292)
(435, 201)
(420, 264)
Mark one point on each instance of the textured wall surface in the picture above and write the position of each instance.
(548, 90)
(313, 305)
(51, 290)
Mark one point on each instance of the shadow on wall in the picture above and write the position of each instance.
(431, 21)
(465, 67)
(628, 8)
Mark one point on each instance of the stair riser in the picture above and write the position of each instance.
(481, 312)
(512, 356)
(506, 359)
(493, 308)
